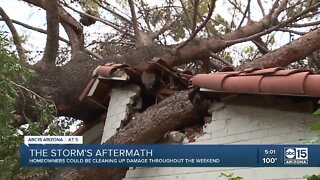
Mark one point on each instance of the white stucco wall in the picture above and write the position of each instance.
(117, 110)
(93, 135)
(242, 124)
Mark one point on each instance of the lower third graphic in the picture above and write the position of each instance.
(295, 156)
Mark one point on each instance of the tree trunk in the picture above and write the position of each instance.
(149, 127)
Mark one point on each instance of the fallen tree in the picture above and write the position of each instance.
(177, 111)
(63, 84)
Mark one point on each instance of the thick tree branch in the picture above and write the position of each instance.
(294, 51)
(39, 30)
(15, 36)
(277, 9)
(72, 27)
(261, 45)
(195, 14)
(133, 18)
(52, 44)
(95, 55)
(200, 49)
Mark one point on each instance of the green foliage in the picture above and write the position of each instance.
(13, 77)
(89, 5)
(317, 113)
(316, 126)
(9, 137)
(230, 176)
(312, 177)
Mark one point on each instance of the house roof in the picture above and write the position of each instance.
(277, 81)
(109, 72)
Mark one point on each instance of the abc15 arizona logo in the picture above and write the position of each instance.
(296, 156)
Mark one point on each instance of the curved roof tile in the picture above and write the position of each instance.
(276, 81)
(107, 69)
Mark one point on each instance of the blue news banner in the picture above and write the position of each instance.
(170, 155)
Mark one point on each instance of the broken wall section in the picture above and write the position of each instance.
(246, 120)
(121, 100)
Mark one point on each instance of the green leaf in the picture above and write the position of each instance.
(317, 112)
(315, 126)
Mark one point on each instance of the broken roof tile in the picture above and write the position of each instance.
(108, 69)
(276, 81)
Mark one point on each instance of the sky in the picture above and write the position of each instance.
(32, 16)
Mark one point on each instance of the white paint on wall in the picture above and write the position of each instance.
(241, 124)
(117, 110)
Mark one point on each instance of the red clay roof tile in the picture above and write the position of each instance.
(276, 81)
(107, 69)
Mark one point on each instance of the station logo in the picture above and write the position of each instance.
(295, 156)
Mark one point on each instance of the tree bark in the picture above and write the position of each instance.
(289, 53)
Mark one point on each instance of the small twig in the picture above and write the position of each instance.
(211, 8)
(106, 22)
(305, 24)
(215, 56)
(247, 11)
(280, 25)
(236, 7)
(186, 11)
(292, 31)
(207, 28)
(113, 12)
(165, 27)
(143, 13)
(35, 94)
(261, 8)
